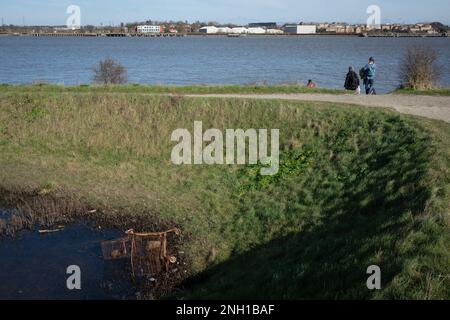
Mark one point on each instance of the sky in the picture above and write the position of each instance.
(106, 12)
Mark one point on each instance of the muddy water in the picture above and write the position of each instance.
(33, 265)
(5, 214)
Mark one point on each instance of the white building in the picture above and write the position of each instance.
(223, 30)
(149, 29)
(256, 30)
(274, 31)
(300, 29)
(209, 29)
(239, 30)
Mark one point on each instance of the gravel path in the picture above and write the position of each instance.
(434, 107)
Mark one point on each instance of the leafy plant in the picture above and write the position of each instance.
(292, 163)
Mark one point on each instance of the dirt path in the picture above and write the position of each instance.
(434, 107)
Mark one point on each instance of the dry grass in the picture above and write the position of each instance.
(172, 89)
(358, 186)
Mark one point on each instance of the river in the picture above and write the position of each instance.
(210, 60)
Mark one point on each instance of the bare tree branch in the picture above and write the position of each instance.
(419, 69)
(110, 72)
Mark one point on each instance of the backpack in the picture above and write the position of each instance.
(362, 73)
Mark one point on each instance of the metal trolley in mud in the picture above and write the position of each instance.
(147, 251)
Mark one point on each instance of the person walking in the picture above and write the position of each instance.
(369, 72)
(352, 82)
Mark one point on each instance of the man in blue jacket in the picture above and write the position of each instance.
(369, 76)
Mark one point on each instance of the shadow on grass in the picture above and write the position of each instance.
(365, 224)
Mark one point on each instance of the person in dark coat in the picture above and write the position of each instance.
(352, 81)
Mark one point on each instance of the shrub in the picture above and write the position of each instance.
(419, 70)
(110, 72)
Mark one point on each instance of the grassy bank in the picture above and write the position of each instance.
(165, 89)
(356, 187)
(431, 92)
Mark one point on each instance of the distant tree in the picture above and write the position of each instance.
(196, 26)
(419, 69)
(89, 28)
(440, 27)
(110, 72)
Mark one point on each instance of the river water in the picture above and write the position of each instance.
(210, 60)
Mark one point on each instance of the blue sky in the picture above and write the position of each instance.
(53, 12)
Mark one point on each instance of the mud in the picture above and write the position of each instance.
(34, 264)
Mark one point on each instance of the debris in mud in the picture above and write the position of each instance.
(33, 211)
(147, 251)
(59, 228)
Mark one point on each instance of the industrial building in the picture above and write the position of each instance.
(224, 30)
(256, 30)
(209, 29)
(300, 29)
(149, 29)
(236, 30)
(274, 31)
(266, 25)
(239, 30)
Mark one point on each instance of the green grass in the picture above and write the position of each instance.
(357, 186)
(166, 89)
(432, 92)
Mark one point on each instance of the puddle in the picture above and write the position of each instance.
(33, 265)
(6, 214)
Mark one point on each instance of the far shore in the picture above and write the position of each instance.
(197, 34)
